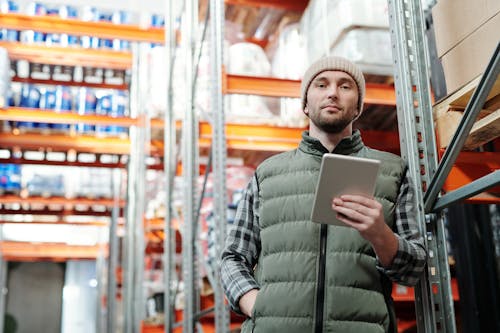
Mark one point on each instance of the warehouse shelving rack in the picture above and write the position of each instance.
(116, 153)
(434, 302)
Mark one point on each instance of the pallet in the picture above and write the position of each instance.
(449, 111)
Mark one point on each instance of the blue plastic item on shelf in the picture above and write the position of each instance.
(63, 104)
(10, 178)
(48, 102)
(86, 104)
(118, 109)
(157, 20)
(46, 185)
(103, 107)
(30, 98)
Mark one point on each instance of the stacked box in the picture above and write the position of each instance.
(467, 33)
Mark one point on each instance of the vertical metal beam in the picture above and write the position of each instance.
(433, 298)
(141, 142)
(101, 291)
(189, 258)
(219, 156)
(113, 254)
(169, 162)
(3, 283)
(3, 289)
(129, 285)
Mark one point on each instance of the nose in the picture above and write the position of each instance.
(333, 92)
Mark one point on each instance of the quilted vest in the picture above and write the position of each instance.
(356, 296)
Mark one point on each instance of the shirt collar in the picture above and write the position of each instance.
(348, 145)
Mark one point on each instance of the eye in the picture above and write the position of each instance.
(345, 86)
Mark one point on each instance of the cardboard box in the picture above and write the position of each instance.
(454, 20)
(469, 58)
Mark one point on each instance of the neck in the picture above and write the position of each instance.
(329, 140)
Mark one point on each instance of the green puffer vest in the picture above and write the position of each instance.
(356, 296)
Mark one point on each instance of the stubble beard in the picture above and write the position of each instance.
(331, 126)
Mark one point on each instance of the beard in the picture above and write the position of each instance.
(330, 125)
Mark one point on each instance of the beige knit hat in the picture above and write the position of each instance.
(333, 64)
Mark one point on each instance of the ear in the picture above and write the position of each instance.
(357, 114)
(306, 111)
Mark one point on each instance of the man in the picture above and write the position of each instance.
(288, 274)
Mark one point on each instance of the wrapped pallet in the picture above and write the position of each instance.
(349, 28)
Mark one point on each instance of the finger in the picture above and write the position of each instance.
(364, 210)
(356, 198)
(346, 221)
(349, 213)
(366, 201)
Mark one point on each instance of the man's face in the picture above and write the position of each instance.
(332, 101)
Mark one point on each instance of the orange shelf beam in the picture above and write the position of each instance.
(46, 201)
(380, 94)
(61, 211)
(272, 138)
(53, 117)
(24, 251)
(254, 137)
(69, 56)
(59, 142)
(470, 166)
(376, 93)
(51, 24)
(71, 83)
(73, 223)
(263, 86)
(293, 5)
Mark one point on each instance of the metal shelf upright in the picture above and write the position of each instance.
(434, 302)
(219, 156)
(189, 152)
(433, 297)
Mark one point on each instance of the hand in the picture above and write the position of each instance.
(366, 215)
(361, 213)
(247, 302)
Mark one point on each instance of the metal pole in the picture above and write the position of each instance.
(3, 290)
(3, 283)
(219, 156)
(478, 186)
(113, 254)
(142, 141)
(129, 285)
(189, 261)
(169, 163)
(433, 298)
(101, 291)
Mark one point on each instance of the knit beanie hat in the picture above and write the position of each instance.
(333, 64)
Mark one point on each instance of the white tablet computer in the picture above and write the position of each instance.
(341, 174)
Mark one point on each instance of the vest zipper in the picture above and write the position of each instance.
(320, 296)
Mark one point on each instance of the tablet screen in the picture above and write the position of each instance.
(338, 175)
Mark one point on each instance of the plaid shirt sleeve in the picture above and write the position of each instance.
(410, 259)
(242, 248)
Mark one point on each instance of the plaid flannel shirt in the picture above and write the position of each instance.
(242, 248)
